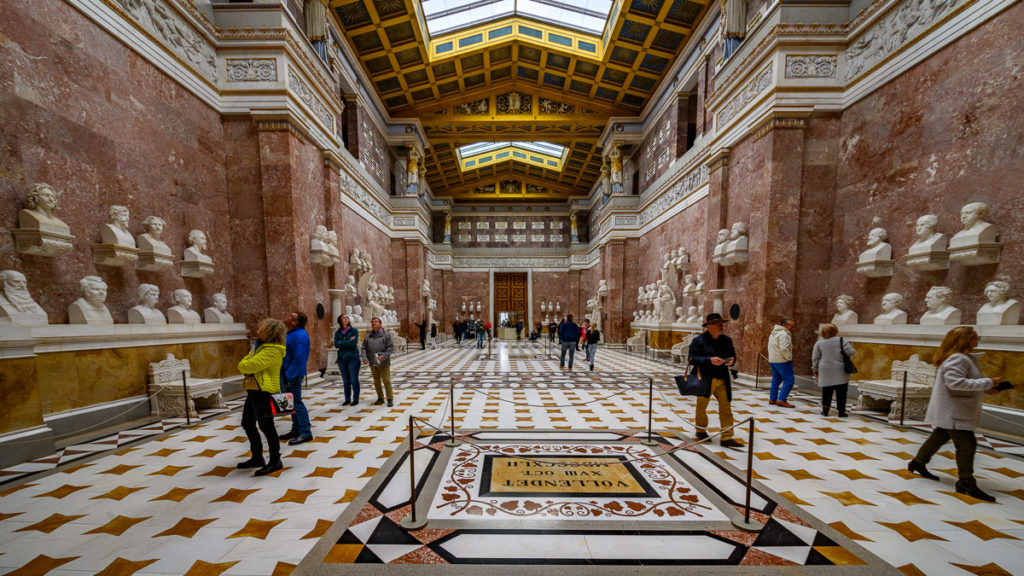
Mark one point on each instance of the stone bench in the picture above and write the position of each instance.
(681, 351)
(888, 394)
(637, 343)
(167, 397)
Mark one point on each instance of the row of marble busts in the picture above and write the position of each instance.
(999, 310)
(731, 246)
(42, 234)
(18, 307)
(323, 247)
(977, 244)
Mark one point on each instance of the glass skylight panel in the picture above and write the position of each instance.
(447, 15)
(546, 148)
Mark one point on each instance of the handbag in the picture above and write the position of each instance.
(250, 382)
(689, 384)
(282, 404)
(848, 366)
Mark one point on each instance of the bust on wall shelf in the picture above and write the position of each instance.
(720, 243)
(736, 251)
(844, 311)
(928, 252)
(154, 254)
(876, 261)
(218, 313)
(182, 312)
(117, 246)
(891, 312)
(1000, 308)
(90, 307)
(692, 315)
(197, 263)
(16, 303)
(39, 232)
(978, 242)
(146, 311)
(940, 311)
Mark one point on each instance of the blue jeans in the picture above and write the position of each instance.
(782, 372)
(571, 348)
(480, 339)
(591, 353)
(350, 376)
(300, 419)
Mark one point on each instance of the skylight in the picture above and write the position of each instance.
(542, 154)
(584, 15)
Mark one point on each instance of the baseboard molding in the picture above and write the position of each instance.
(26, 444)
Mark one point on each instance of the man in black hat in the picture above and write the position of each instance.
(712, 354)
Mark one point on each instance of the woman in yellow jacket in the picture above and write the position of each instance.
(264, 363)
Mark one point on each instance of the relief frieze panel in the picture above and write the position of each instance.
(306, 95)
(811, 66)
(174, 32)
(758, 84)
(251, 69)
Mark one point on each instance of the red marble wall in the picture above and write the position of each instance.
(475, 287)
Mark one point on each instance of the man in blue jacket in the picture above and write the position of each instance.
(293, 371)
(569, 336)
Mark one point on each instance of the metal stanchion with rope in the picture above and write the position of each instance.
(184, 392)
(650, 441)
(452, 442)
(903, 398)
(411, 522)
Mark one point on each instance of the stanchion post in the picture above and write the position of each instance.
(757, 372)
(184, 398)
(452, 442)
(650, 414)
(747, 523)
(903, 399)
(411, 522)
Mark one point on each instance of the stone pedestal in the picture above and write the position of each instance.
(876, 268)
(928, 261)
(196, 268)
(718, 298)
(154, 261)
(42, 242)
(976, 254)
(114, 255)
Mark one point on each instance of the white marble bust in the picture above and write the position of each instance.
(16, 303)
(698, 288)
(90, 307)
(682, 262)
(688, 286)
(976, 230)
(218, 313)
(929, 239)
(146, 312)
(197, 248)
(736, 250)
(692, 315)
(149, 241)
(1000, 308)
(116, 230)
(939, 310)
(358, 313)
(720, 244)
(602, 288)
(182, 312)
(350, 287)
(425, 288)
(891, 312)
(40, 204)
(878, 248)
(319, 248)
(844, 311)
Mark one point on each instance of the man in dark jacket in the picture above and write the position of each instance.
(712, 354)
(377, 350)
(519, 330)
(569, 335)
(457, 331)
(552, 329)
(422, 325)
(293, 371)
(593, 337)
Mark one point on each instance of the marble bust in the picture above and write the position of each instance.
(736, 250)
(928, 252)
(1000, 309)
(196, 264)
(876, 261)
(90, 307)
(116, 230)
(978, 242)
(16, 303)
(692, 315)
(940, 311)
(688, 286)
(891, 313)
(680, 314)
(218, 313)
(146, 312)
(844, 311)
(39, 232)
(682, 262)
(602, 288)
(182, 312)
(350, 287)
(425, 288)
(720, 243)
(154, 254)
(698, 288)
(319, 247)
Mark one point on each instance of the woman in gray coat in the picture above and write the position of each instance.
(955, 407)
(828, 368)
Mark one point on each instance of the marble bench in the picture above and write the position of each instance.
(888, 394)
(166, 395)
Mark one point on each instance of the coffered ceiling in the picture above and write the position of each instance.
(514, 78)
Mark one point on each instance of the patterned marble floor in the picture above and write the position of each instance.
(176, 504)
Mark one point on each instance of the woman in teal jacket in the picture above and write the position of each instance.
(346, 340)
(264, 363)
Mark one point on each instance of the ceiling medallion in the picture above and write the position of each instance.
(514, 103)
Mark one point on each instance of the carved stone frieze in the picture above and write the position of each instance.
(251, 69)
(755, 86)
(811, 66)
(306, 95)
(173, 31)
(684, 186)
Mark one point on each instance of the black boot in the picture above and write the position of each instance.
(971, 489)
(918, 468)
(273, 466)
(254, 462)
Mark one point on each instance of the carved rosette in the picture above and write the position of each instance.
(114, 255)
(196, 269)
(42, 242)
(976, 254)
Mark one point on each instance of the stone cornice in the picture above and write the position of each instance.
(779, 120)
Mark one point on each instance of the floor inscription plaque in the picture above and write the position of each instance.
(604, 476)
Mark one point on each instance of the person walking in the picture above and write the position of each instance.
(293, 372)
(457, 331)
(569, 335)
(830, 370)
(346, 340)
(519, 330)
(263, 363)
(433, 336)
(422, 325)
(955, 407)
(552, 329)
(481, 331)
(593, 337)
(377, 350)
(711, 354)
(780, 358)
(583, 335)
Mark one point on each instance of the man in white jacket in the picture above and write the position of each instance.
(780, 358)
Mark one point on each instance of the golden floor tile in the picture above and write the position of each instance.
(319, 530)
(911, 570)
(71, 470)
(981, 530)
(821, 441)
(363, 439)
(300, 453)
(854, 474)
(296, 496)
(256, 528)
(800, 474)
(323, 472)
(1006, 472)
(766, 456)
(58, 493)
(812, 456)
(779, 441)
(908, 498)
(164, 452)
(118, 525)
(839, 556)
(123, 567)
(4, 516)
(910, 531)
(201, 568)
(168, 471)
(119, 493)
(177, 494)
(846, 531)
(186, 527)
(370, 471)
(902, 455)
(283, 569)
(902, 473)
(235, 495)
(848, 499)
(990, 569)
(221, 471)
(1018, 493)
(964, 497)
(50, 523)
(41, 565)
(343, 553)
(200, 438)
(208, 453)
